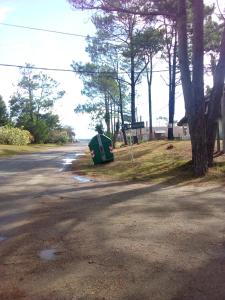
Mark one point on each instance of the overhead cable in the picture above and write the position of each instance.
(67, 70)
(45, 30)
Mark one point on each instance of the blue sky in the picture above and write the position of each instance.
(18, 46)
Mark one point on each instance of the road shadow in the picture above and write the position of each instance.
(132, 241)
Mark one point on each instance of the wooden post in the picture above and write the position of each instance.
(140, 129)
(131, 147)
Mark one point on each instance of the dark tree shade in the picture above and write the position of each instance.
(3, 112)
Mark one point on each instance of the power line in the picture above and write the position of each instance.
(220, 11)
(67, 70)
(46, 30)
(63, 33)
(38, 68)
(54, 31)
(108, 41)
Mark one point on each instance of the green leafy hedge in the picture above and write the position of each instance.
(58, 137)
(14, 136)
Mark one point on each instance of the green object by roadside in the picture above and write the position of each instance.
(101, 149)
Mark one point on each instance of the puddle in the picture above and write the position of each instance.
(82, 179)
(2, 238)
(68, 161)
(47, 254)
(80, 154)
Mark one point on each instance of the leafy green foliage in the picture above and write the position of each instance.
(119, 63)
(3, 113)
(14, 136)
(31, 105)
(41, 131)
(99, 128)
(149, 41)
(70, 132)
(59, 137)
(212, 35)
(101, 88)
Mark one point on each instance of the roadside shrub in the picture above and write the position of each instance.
(40, 132)
(14, 136)
(58, 137)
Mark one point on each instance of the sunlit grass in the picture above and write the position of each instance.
(152, 161)
(8, 150)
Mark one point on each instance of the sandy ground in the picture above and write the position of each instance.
(109, 240)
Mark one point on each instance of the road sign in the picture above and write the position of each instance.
(127, 126)
(136, 125)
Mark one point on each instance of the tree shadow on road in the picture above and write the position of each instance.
(120, 240)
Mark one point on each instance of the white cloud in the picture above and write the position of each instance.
(3, 13)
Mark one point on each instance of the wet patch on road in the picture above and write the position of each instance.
(80, 154)
(48, 254)
(68, 161)
(2, 238)
(82, 179)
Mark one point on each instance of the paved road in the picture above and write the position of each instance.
(23, 178)
(65, 240)
(32, 164)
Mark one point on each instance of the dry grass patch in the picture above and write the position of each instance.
(151, 161)
(8, 150)
(155, 161)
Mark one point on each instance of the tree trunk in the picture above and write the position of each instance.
(218, 138)
(111, 118)
(114, 116)
(193, 91)
(30, 105)
(171, 106)
(172, 90)
(133, 109)
(198, 101)
(116, 132)
(107, 114)
(223, 119)
(198, 156)
(215, 102)
(121, 114)
(149, 81)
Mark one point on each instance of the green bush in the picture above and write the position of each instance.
(58, 137)
(40, 132)
(14, 136)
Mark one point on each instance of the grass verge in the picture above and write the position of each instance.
(8, 150)
(155, 161)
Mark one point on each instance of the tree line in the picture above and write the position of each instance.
(30, 108)
(129, 34)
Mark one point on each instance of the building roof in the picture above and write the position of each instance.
(182, 121)
(160, 131)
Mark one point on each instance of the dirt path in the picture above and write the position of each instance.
(61, 239)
